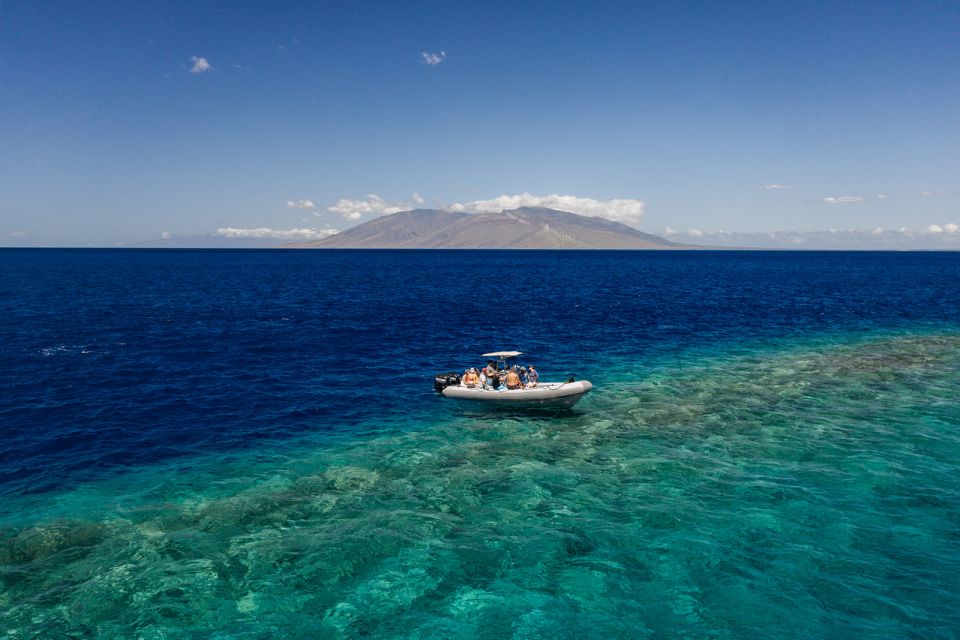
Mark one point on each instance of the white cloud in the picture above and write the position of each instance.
(301, 204)
(432, 59)
(279, 234)
(18, 234)
(619, 209)
(166, 235)
(945, 236)
(776, 187)
(669, 231)
(200, 65)
(842, 199)
(350, 209)
(950, 227)
(881, 196)
(354, 209)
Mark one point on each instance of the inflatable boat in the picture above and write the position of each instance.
(545, 394)
(561, 395)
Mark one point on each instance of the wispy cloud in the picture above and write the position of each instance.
(776, 187)
(934, 236)
(279, 234)
(292, 43)
(200, 65)
(432, 59)
(842, 199)
(301, 204)
(166, 235)
(850, 199)
(931, 194)
(619, 209)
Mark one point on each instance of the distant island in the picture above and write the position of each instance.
(523, 228)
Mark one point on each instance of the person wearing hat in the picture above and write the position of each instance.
(470, 379)
(532, 376)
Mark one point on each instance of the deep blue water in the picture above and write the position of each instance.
(116, 358)
(117, 363)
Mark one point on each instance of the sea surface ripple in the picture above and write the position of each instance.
(245, 444)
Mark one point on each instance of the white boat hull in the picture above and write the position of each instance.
(545, 394)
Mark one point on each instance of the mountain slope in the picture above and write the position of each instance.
(523, 228)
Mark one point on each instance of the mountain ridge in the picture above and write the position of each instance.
(521, 228)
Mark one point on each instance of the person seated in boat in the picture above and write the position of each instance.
(532, 376)
(513, 380)
(470, 379)
(493, 376)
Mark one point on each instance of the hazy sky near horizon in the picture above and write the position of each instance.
(123, 122)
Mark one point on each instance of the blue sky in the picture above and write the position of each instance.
(121, 122)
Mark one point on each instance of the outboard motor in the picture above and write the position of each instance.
(443, 380)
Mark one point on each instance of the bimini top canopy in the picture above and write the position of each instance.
(503, 354)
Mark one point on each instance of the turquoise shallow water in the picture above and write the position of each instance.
(797, 490)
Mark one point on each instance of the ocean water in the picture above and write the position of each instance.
(246, 444)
